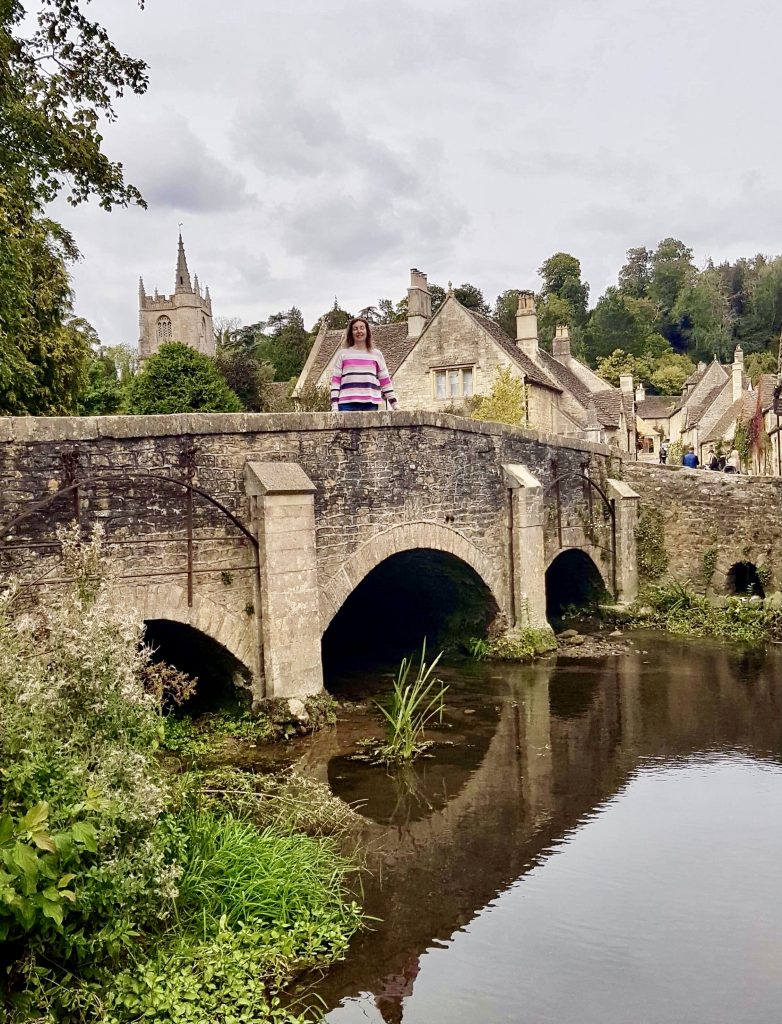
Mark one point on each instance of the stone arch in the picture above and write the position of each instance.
(169, 601)
(408, 537)
(578, 560)
(744, 578)
(595, 554)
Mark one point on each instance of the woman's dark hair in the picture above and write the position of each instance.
(349, 339)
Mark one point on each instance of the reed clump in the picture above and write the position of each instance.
(413, 705)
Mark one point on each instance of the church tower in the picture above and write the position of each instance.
(185, 315)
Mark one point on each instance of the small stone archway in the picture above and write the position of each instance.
(408, 537)
(744, 578)
(168, 601)
(576, 571)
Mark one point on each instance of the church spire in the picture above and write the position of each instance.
(182, 273)
(141, 292)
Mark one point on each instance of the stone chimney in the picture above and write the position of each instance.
(561, 345)
(737, 373)
(640, 393)
(626, 383)
(419, 304)
(527, 324)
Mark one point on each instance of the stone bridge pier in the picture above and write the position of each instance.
(257, 530)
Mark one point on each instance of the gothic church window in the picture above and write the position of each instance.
(163, 329)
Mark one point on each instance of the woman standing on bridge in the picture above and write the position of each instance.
(359, 378)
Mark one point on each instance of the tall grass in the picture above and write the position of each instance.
(234, 874)
(412, 707)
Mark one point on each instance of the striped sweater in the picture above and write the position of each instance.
(360, 376)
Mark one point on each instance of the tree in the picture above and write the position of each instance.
(387, 314)
(672, 270)
(760, 327)
(286, 343)
(109, 372)
(758, 363)
(702, 317)
(43, 362)
(561, 275)
(55, 85)
(508, 401)
(619, 321)
(619, 362)
(471, 297)
(669, 372)
(246, 377)
(437, 295)
(179, 379)
(636, 274)
(505, 308)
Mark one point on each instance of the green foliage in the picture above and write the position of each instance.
(286, 344)
(709, 561)
(179, 379)
(412, 706)
(471, 297)
(650, 543)
(675, 453)
(742, 441)
(246, 376)
(505, 308)
(677, 608)
(313, 399)
(123, 891)
(521, 644)
(561, 275)
(758, 363)
(636, 274)
(506, 403)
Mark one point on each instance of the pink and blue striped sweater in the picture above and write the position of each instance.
(359, 376)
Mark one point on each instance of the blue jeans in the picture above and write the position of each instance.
(357, 407)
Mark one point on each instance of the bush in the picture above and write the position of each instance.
(179, 379)
(523, 644)
(125, 891)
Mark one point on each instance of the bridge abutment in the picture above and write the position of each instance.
(526, 542)
(625, 502)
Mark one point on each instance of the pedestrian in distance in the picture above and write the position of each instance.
(690, 459)
(360, 380)
(733, 465)
(712, 460)
(663, 453)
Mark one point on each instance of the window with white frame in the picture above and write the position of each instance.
(452, 382)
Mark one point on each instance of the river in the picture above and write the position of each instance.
(592, 842)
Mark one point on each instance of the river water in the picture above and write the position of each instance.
(592, 842)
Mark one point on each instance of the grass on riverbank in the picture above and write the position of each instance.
(127, 892)
(677, 608)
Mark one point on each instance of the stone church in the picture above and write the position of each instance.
(185, 315)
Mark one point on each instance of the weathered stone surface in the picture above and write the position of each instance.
(739, 517)
(383, 483)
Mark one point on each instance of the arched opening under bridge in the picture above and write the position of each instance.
(573, 581)
(222, 678)
(412, 595)
(744, 578)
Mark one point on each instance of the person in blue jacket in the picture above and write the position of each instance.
(690, 459)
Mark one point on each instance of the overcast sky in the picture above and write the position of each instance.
(313, 148)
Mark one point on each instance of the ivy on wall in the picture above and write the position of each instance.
(650, 544)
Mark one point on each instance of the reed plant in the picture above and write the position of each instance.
(412, 707)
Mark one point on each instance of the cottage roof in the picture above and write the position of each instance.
(743, 408)
(766, 385)
(608, 406)
(565, 376)
(658, 407)
(531, 371)
(700, 404)
(696, 376)
(391, 339)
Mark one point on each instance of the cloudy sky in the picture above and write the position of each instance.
(313, 148)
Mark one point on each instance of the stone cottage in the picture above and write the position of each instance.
(439, 362)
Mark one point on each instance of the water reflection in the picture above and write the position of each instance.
(655, 779)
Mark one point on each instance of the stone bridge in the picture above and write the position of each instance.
(256, 529)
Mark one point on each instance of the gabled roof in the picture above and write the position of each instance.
(608, 406)
(766, 385)
(658, 407)
(701, 404)
(522, 360)
(743, 408)
(565, 376)
(391, 339)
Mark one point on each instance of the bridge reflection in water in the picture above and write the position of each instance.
(542, 756)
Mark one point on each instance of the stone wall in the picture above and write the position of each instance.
(737, 517)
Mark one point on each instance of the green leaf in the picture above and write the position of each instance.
(35, 818)
(44, 842)
(6, 828)
(26, 860)
(83, 832)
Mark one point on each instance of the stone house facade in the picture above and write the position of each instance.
(440, 361)
(185, 315)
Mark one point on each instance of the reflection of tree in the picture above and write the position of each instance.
(395, 988)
